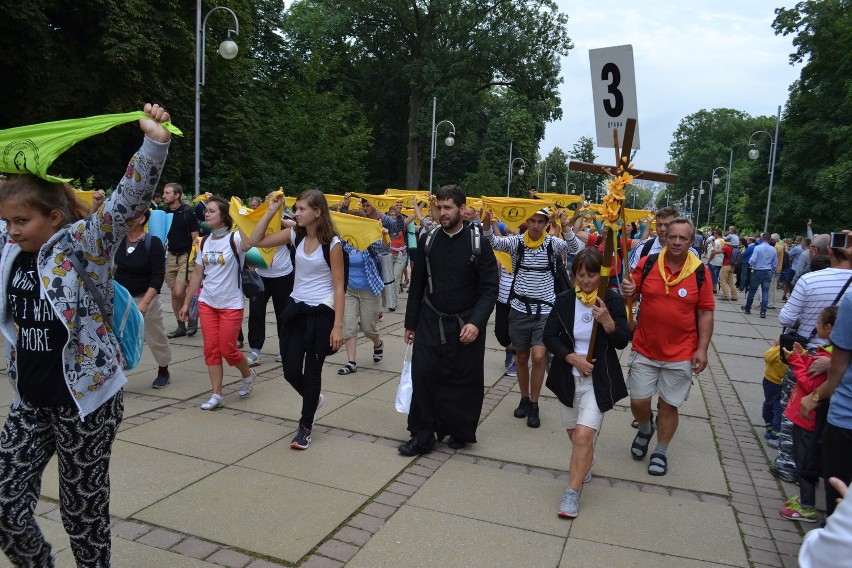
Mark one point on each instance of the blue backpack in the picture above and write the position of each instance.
(128, 323)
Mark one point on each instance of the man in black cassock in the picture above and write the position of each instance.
(453, 291)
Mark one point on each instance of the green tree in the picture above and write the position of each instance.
(815, 154)
(584, 151)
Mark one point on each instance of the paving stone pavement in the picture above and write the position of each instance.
(196, 488)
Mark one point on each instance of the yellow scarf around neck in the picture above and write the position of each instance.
(691, 264)
(533, 244)
(587, 299)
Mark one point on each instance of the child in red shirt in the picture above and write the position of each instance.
(806, 431)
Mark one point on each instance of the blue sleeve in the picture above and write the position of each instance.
(841, 333)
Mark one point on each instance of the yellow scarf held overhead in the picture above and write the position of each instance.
(246, 219)
(690, 265)
(32, 149)
(358, 231)
(514, 211)
(586, 298)
(559, 199)
(505, 260)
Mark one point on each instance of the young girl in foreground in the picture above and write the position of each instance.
(64, 363)
(313, 319)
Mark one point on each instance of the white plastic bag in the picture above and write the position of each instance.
(403, 393)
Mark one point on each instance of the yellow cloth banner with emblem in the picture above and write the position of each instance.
(245, 219)
(560, 199)
(514, 211)
(380, 202)
(505, 259)
(358, 231)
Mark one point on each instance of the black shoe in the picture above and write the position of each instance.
(523, 407)
(191, 327)
(456, 444)
(745, 311)
(179, 332)
(161, 381)
(412, 448)
(763, 315)
(533, 420)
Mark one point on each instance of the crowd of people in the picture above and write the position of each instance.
(563, 312)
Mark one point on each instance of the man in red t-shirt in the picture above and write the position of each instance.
(671, 339)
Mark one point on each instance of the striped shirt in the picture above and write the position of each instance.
(813, 292)
(532, 279)
(505, 284)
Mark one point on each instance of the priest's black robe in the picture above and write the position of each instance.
(447, 375)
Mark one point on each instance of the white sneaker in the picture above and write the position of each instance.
(279, 358)
(215, 403)
(247, 384)
(254, 359)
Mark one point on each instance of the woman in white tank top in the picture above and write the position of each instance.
(313, 319)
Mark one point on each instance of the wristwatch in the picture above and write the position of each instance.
(815, 397)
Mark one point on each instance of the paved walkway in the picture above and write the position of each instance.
(196, 488)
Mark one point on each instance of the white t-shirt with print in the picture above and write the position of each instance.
(221, 285)
(583, 322)
(313, 283)
(280, 265)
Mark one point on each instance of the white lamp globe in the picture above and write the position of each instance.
(228, 49)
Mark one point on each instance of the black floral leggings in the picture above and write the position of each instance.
(29, 439)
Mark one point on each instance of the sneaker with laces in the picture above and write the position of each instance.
(247, 384)
(302, 439)
(161, 381)
(512, 370)
(254, 359)
(569, 507)
(794, 511)
(533, 420)
(215, 403)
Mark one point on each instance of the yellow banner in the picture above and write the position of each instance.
(358, 231)
(560, 199)
(203, 197)
(380, 202)
(630, 215)
(245, 219)
(85, 197)
(514, 211)
(392, 191)
(505, 259)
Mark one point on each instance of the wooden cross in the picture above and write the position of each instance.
(622, 159)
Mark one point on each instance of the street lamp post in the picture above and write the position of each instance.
(573, 186)
(227, 49)
(701, 187)
(552, 183)
(691, 198)
(512, 167)
(753, 153)
(449, 141)
(715, 181)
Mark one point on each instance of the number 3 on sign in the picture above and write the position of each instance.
(614, 92)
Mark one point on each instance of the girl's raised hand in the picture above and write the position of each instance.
(150, 126)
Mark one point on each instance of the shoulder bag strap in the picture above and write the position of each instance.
(89, 284)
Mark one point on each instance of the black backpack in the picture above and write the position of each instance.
(326, 254)
(555, 266)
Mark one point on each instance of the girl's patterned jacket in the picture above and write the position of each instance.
(92, 359)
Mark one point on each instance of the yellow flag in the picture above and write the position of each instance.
(203, 197)
(560, 199)
(505, 259)
(380, 202)
(85, 197)
(245, 219)
(392, 191)
(630, 215)
(358, 231)
(513, 210)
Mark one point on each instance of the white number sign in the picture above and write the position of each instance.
(614, 93)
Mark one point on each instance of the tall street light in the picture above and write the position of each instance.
(691, 198)
(512, 168)
(546, 177)
(227, 49)
(715, 181)
(572, 184)
(701, 187)
(753, 153)
(449, 141)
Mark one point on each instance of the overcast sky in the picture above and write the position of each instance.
(688, 55)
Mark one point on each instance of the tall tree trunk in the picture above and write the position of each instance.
(412, 163)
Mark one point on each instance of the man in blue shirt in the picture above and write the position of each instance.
(764, 261)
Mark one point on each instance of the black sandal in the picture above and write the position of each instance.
(658, 465)
(637, 450)
(635, 423)
(348, 368)
(379, 352)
